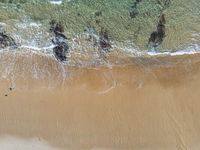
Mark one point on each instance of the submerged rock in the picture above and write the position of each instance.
(134, 9)
(133, 12)
(98, 13)
(157, 37)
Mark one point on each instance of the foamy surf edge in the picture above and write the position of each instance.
(132, 52)
(191, 50)
(56, 2)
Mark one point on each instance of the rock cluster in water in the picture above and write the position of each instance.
(6, 40)
(60, 40)
(102, 39)
(156, 37)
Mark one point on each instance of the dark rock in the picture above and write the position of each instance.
(158, 36)
(56, 27)
(154, 39)
(104, 41)
(6, 40)
(59, 30)
(61, 47)
(104, 45)
(166, 4)
(59, 27)
(60, 51)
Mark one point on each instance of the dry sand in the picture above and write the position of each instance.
(151, 104)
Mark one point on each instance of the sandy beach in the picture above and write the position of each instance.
(151, 104)
(99, 75)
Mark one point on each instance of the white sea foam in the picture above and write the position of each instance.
(193, 49)
(2, 24)
(27, 24)
(37, 48)
(57, 2)
(16, 143)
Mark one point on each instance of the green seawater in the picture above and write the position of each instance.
(182, 18)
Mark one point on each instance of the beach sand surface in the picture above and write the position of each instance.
(151, 104)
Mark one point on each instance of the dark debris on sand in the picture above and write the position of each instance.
(11, 88)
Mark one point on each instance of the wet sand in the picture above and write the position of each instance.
(150, 104)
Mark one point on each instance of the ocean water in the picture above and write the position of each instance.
(80, 19)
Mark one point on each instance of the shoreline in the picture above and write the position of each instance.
(19, 67)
